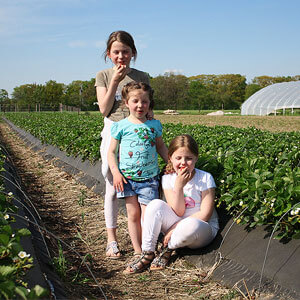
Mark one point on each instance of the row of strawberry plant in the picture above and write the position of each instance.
(255, 170)
(14, 261)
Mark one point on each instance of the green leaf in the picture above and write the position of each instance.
(40, 291)
(7, 270)
(21, 291)
(296, 189)
(24, 232)
(7, 289)
(4, 239)
(267, 185)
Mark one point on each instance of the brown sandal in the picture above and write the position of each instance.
(140, 264)
(160, 262)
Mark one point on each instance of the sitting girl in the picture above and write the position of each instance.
(188, 218)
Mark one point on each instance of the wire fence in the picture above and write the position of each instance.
(38, 108)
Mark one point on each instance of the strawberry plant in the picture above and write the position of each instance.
(254, 170)
(14, 261)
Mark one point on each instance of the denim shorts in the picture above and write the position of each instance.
(146, 190)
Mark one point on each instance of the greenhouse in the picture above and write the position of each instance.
(279, 96)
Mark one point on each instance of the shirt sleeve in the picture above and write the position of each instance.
(100, 79)
(166, 182)
(158, 129)
(208, 181)
(115, 131)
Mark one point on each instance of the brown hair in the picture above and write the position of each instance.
(179, 141)
(122, 37)
(133, 85)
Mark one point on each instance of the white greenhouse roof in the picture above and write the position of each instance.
(273, 97)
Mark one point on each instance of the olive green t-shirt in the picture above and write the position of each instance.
(103, 79)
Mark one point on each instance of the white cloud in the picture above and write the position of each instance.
(175, 71)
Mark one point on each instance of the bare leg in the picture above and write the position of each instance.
(134, 222)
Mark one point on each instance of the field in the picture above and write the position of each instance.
(269, 123)
(255, 161)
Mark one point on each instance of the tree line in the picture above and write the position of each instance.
(171, 91)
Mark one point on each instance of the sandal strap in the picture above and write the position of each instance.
(163, 258)
(114, 246)
(142, 262)
(133, 259)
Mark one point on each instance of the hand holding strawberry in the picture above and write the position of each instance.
(184, 175)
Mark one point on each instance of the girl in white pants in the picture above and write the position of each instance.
(188, 217)
(121, 50)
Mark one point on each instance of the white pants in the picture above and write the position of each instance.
(110, 199)
(189, 232)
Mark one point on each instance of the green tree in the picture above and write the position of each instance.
(3, 96)
(199, 96)
(170, 91)
(89, 95)
(4, 100)
(251, 89)
(264, 80)
(222, 91)
(24, 96)
(54, 93)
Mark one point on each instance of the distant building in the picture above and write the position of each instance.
(285, 95)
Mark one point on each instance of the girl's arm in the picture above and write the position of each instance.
(207, 205)
(175, 197)
(106, 97)
(118, 178)
(161, 149)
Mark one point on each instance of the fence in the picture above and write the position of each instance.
(37, 108)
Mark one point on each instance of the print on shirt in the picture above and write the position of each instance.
(189, 202)
(139, 156)
(118, 96)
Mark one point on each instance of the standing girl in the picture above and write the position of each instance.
(121, 50)
(132, 157)
(188, 218)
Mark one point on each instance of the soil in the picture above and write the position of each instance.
(75, 214)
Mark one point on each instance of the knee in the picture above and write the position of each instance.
(155, 206)
(134, 216)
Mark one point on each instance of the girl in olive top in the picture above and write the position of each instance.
(109, 83)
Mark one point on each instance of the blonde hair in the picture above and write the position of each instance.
(180, 141)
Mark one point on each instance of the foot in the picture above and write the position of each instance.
(161, 261)
(112, 250)
(140, 264)
(133, 259)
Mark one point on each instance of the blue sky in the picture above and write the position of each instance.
(63, 40)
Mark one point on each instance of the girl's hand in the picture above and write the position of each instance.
(169, 234)
(183, 176)
(167, 237)
(120, 72)
(118, 180)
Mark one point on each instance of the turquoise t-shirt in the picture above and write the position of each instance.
(137, 151)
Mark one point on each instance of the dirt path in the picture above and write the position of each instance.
(75, 214)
